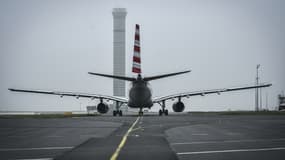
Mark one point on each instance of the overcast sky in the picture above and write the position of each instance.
(53, 44)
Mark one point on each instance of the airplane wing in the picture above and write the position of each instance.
(205, 92)
(74, 94)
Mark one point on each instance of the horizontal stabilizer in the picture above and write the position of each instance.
(164, 75)
(113, 76)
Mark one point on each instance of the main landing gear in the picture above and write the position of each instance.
(163, 110)
(118, 111)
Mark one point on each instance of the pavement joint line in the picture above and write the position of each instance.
(229, 141)
(123, 141)
(30, 149)
(233, 150)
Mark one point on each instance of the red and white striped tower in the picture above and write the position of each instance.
(137, 52)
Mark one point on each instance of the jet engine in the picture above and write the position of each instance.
(178, 106)
(102, 107)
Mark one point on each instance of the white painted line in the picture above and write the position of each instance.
(55, 136)
(234, 150)
(229, 141)
(30, 149)
(232, 133)
(19, 136)
(37, 159)
(200, 134)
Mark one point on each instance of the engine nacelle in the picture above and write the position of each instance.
(102, 107)
(178, 106)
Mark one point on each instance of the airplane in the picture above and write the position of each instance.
(140, 95)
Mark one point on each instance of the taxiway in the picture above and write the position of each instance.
(177, 136)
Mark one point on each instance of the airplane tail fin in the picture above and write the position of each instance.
(137, 52)
(137, 59)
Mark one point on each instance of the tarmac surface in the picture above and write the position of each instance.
(177, 136)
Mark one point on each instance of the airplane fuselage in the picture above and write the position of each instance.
(140, 94)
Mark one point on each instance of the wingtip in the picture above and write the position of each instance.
(12, 89)
(265, 84)
(187, 71)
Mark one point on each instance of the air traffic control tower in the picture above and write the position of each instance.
(119, 50)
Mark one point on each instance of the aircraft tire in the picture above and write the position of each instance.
(166, 112)
(115, 113)
(160, 112)
(120, 113)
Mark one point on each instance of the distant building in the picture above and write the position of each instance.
(119, 50)
(281, 102)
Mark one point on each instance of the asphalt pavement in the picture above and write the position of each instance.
(177, 136)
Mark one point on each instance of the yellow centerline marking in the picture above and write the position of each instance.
(123, 141)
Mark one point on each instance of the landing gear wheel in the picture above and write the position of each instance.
(160, 112)
(114, 113)
(120, 113)
(166, 112)
(140, 113)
